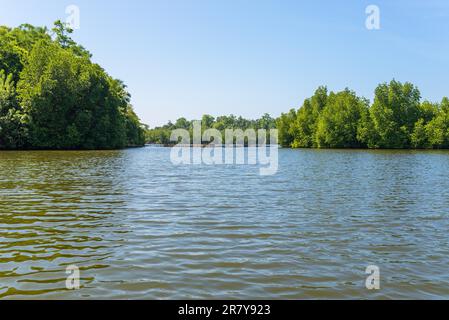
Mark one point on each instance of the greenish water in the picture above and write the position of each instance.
(139, 227)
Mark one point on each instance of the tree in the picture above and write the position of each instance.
(285, 126)
(62, 33)
(307, 119)
(135, 133)
(394, 113)
(13, 132)
(420, 135)
(207, 121)
(266, 122)
(62, 99)
(182, 123)
(339, 121)
(437, 130)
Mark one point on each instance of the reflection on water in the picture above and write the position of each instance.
(139, 227)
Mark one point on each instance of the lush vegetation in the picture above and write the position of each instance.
(161, 135)
(52, 96)
(397, 119)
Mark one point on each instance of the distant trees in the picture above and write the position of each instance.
(161, 135)
(53, 97)
(396, 119)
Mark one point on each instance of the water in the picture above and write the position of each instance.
(140, 228)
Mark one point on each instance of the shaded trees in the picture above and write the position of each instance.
(13, 132)
(54, 97)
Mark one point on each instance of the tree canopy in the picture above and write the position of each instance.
(52, 96)
(397, 119)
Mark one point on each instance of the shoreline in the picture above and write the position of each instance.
(45, 149)
(280, 147)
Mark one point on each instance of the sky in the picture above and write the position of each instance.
(185, 58)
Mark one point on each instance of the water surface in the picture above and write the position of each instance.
(139, 227)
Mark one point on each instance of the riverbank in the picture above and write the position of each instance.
(73, 149)
(287, 148)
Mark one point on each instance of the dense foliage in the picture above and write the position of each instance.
(396, 119)
(53, 97)
(161, 135)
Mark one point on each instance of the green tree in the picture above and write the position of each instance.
(207, 121)
(307, 119)
(13, 132)
(62, 99)
(419, 137)
(285, 125)
(266, 122)
(339, 121)
(182, 123)
(437, 130)
(394, 113)
(62, 32)
(135, 132)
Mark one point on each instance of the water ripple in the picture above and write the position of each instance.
(139, 227)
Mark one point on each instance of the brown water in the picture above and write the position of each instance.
(139, 227)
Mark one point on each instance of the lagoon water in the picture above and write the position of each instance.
(139, 227)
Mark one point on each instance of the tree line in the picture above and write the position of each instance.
(397, 119)
(52, 96)
(161, 135)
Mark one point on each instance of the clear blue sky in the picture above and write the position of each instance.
(248, 57)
